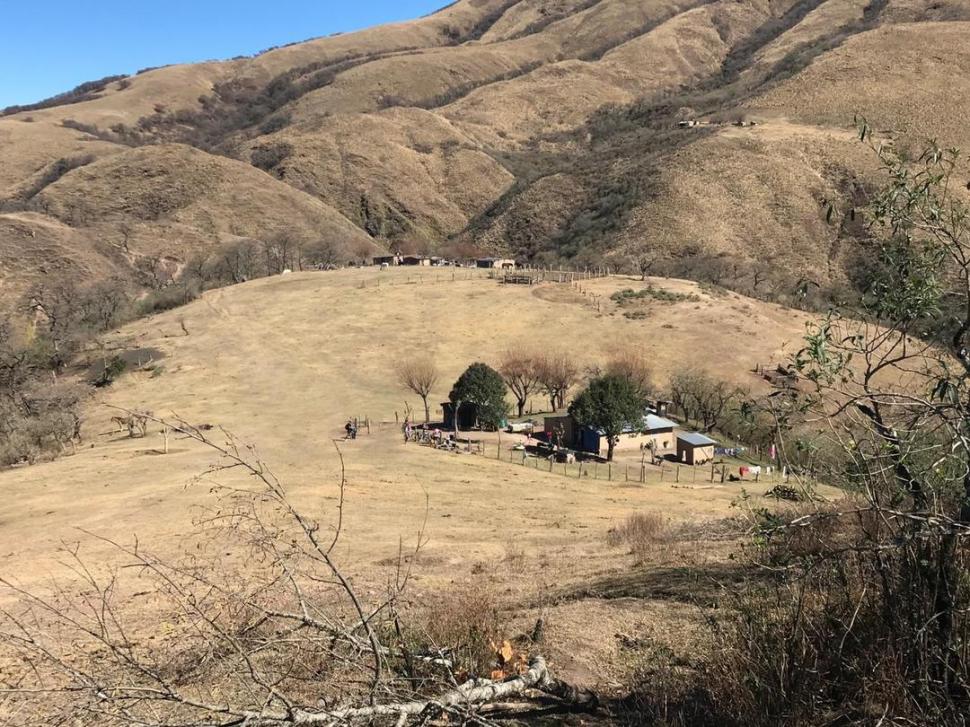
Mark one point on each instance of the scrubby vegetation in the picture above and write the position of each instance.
(84, 92)
(55, 171)
(629, 295)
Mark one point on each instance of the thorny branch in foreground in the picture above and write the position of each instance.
(271, 633)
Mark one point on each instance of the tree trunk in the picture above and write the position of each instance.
(610, 446)
(427, 411)
(521, 404)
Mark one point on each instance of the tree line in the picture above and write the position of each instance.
(613, 397)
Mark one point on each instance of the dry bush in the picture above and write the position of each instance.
(464, 624)
(641, 532)
(834, 632)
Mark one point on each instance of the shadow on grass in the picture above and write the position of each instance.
(703, 585)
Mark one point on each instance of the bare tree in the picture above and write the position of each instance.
(102, 305)
(324, 253)
(241, 261)
(52, 304)
(285, 641)
(520, 370)
(420, 375)
(634, 365)
(703, 399)
(283, 252)
(557, 374)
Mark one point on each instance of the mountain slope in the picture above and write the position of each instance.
(541, 128)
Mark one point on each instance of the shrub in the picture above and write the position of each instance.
(465, 622)
(169, 297)
(270, 156)
(55, 171)
(276, 123)
(111, 370)
(640, 532)
(84, 92)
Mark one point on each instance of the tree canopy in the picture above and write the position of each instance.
(483, 386)
(610, 403)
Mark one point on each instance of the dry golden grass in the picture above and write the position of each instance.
(910, 79)
(422, 175)
(283, 361)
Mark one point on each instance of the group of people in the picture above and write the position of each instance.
(433, 437)
(351, 428)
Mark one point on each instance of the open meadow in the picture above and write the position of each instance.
(283, 362)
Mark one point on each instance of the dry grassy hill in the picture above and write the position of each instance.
(543, 128)
(282, 362)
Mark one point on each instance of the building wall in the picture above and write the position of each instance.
(694, 455)
(666, 441)
(553, 426)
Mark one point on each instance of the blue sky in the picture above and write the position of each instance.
(50, 46)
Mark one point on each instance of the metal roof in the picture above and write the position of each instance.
(696, 439)
(652, 422)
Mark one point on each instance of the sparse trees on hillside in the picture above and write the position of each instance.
(635, 366)
(557, 374)
(420, 375)
(283, 252)
(703, 399)
(324, 253)
(610, 403)
(241, 261)
(520, 371)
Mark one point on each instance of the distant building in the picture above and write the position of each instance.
(495, 262)
(560, 430)
(386, 260)
(695, 448)
(416, 260)
(654, 433)
(467, 416)
(660, 407)
(658, 434)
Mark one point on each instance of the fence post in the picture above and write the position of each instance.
(626, 474)
(677, 477)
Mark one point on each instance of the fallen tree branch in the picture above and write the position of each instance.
(474, 693)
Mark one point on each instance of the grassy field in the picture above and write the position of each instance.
(282, 363)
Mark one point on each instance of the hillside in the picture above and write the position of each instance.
(546, 129)
(282, 362)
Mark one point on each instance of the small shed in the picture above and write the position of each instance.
(660, 407)
(495, 262)
(560, 430)
(416, 260)
(467, 415)
(695, 448)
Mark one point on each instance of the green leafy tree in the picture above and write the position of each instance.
(888, 581)
(610, 403)
(483, 386)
